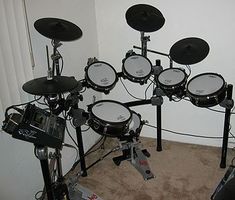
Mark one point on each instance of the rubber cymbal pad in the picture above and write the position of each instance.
(58, 29)
(189, 51)
(145, 18)
(58, 85)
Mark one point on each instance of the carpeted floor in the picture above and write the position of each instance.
(182, 172)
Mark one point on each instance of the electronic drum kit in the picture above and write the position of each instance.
(112, 118)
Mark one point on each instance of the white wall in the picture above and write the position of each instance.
(210, 20)
(21, 175)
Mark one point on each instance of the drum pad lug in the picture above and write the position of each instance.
(227, 103)
(157, 101)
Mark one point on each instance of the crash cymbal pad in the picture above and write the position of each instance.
(43, 86)
(145, 18)
(58, 29)
(189, 51)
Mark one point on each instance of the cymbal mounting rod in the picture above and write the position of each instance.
(144, 39)
(49, 72)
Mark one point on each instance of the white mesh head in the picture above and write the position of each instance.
(205, 84)
(111, 111)
(172, 76)
(137, 66)
(135, 122)
(101, 74)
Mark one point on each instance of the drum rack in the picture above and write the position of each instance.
(228, 104)
(54, 85)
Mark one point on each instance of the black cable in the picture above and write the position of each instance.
(25, 103)
(214, 110)
(176, 99)
(73, 147)
(232, 134)
(129, 92)
(84, 130)
(83, 90)
(88, 152)
(66, 127)
(211, 109)
(185, 134)
(36, 155)
(62, 62)
(38, 101)
(145, 93)
(100, 146)
(42, 195)
(17, 105)
(71, 123)
(233, 161)
(189, 69)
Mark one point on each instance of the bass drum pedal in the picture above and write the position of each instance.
(136, 156)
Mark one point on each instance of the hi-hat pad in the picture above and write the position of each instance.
(189, 51)
(58, 29)
(43, 86)
(145, 18)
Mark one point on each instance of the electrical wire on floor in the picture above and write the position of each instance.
(186, 134)
(101, 146)
(91, 151)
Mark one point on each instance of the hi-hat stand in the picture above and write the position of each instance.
(59, 189)
(42, 154)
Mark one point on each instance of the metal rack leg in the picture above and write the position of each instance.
(46, 178)
(159, 128)
(226, 128)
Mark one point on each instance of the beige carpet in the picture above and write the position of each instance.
(183, 172)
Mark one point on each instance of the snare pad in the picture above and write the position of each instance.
(111, 111)
(110, 118)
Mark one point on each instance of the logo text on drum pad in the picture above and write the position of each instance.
(140, 72)
(121, 118)
(104, 81)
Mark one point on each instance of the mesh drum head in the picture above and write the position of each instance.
(205, 84)
(171, 76)
(101, 74)
(111, 111)
(137, 66)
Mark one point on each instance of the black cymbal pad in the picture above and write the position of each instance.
(189, 51)
(145, 18)
(58, 29)
(43, 86)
